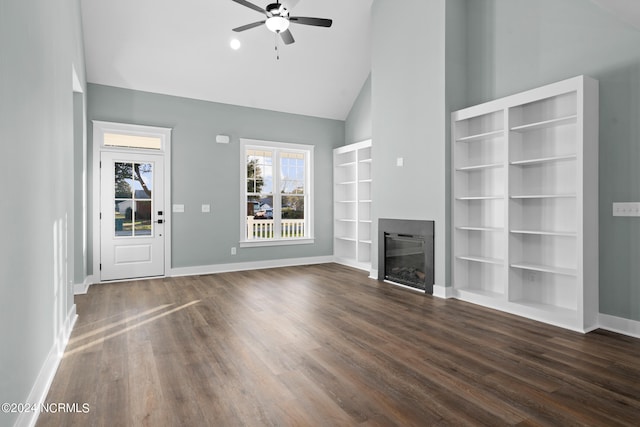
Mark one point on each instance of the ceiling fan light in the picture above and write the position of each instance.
(277, 24)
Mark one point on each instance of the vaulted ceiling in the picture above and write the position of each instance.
(182, 48)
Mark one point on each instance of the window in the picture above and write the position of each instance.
(277, 193)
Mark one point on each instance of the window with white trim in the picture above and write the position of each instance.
(277, 200)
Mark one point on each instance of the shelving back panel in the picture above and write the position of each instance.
(549, 178)
(479, 213)
(543, 143)
(552, 251)
(544, 110)
(484, 244)
(544, 214)
(476, 126)
(543, 289)
(478, 183)
(480, 277)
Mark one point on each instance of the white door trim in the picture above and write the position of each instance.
(99, 129)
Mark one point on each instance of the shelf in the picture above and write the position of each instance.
(346, 164)
(546, 233)
(484, 260)
(544, 160)
(481, 136)
(545, 124)
(346, 239)
(345, 220)
(366, 201)
(544, 196)
(480, 198)
(368, 242)
(366, 160)
(366, 181)
(345, 201)
(480, 167)
(346, 183)
(468, 228)
(545, 268)
(366, 221)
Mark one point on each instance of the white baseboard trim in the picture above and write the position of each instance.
(620, 325)
(373, 274)
(443, 291)
(48, 370)
(83, 288)
(243, 266)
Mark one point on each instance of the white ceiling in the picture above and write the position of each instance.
(181, 48)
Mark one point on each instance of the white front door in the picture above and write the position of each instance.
(132, 215)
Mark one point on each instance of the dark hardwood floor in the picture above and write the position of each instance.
(326, 346)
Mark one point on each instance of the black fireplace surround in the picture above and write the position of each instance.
(405, 253)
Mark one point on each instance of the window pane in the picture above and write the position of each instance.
(123, 180)
(143, 180)
(142, 223)
(132, 141)
(123, 211)
(292, 173)
(292, 220)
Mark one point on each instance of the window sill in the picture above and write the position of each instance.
(275, 242)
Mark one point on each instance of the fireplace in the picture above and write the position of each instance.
(405, 253)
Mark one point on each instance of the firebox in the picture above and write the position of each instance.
(405, 253)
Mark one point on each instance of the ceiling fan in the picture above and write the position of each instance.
(278, 20)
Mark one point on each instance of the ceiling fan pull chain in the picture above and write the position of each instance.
(277, 50)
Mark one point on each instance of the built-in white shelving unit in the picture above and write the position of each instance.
(525, 211)
(352, 204)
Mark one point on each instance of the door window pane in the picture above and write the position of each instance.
(142, 174)
(123, 180)
(142, 224)
(123, 215)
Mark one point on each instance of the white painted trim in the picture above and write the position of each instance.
(83, 288)
(373, 274)
(99, 128)
(620, 325)
(243, 266)
(443, 291)
(40, 388)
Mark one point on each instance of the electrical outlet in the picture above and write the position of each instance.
(233, 250)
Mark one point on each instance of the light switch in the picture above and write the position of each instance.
(178, 208)
(206, 208)
(626, 209)
(400, 161)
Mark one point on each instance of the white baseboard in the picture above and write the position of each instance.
(443, 291)
(373, 274)
(83, 288)
(48, 370)
(619, 325)
(243, 266)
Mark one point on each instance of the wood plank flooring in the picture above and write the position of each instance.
(326, 346)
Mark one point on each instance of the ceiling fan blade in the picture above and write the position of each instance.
(248, 26)
(287, 37)
(316, 22)
(250, 5)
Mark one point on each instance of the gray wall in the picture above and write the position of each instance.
(409, 117)
(358, 123)
(206, 172)
(40, 41)
(514, 45)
